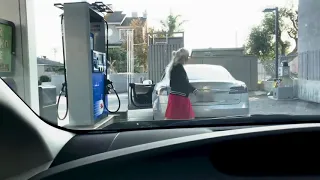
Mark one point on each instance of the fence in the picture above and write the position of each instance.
(309, 63)
(159, 56)
(266, 69)
(160, 52)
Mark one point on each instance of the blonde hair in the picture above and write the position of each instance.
(178, 57)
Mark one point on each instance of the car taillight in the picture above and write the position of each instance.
(238, 90)
(163, 91)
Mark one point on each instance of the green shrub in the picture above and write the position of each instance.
(44, 78)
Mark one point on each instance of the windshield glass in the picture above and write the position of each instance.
(207, 72)
(83, 70)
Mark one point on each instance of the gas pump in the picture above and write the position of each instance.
(86, 85)
(283, 87)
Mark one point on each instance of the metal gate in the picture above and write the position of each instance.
(160, 52)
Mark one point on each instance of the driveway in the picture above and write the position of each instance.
(265, 105)
(259, 104)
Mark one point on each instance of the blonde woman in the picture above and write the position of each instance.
(179, 105)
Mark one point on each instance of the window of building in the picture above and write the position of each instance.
(123, 34)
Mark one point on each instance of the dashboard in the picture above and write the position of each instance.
(264, 152)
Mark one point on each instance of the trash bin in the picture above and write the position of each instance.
(47, 103)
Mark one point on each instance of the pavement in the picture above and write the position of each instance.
(259, 104)
(133, 115)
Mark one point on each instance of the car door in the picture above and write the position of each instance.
(141, 94)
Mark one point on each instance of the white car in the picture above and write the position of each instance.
(219, 93)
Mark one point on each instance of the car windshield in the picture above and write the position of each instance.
(207, 72)
(81, 70)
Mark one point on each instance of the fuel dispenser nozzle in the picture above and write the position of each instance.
(64, 89)
(109, 87)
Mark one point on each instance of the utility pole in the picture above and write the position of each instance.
(55, 53)
(276, 32)
(236, 38)
(277, 40)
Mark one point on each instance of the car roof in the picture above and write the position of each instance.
(203, 65)
(200, 65)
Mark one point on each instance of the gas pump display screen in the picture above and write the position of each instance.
(6, 47)
(98, 61)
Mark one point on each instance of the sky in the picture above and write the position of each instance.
(210, 23)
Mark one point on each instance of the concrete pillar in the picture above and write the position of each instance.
(22, 14)
(309, 50)
(309, 25)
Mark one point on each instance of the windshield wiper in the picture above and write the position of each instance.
(274, 119)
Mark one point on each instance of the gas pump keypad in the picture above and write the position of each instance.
(101, 69)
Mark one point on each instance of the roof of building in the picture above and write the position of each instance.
(128, 20)
(115, 17)
(48, 62)
(119, 17)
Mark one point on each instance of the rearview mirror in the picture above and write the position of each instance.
(147, 82)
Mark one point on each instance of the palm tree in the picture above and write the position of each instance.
(172, 24)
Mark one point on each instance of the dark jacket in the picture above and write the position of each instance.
(179, 81)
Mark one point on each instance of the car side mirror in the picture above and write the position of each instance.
(147, 82)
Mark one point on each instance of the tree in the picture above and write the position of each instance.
(292, 29)
(140, 47)
(117, 59)
(157, 33)
(260, 43)
(140, 43)
(261, 38)
(44, 78)
(172, 24)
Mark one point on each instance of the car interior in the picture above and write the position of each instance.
(34, 149)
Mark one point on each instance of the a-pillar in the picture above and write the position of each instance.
(21, 13)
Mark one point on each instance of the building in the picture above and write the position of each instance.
(308, 51)
(119, 24)
(48, 67)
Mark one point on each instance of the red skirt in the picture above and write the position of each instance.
(179, 107)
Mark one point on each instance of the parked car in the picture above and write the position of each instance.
(219, 95)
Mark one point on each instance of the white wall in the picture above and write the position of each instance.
(119, 80)
(41, 71)
(57, 81)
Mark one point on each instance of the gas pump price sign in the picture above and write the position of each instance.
(6, 47)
